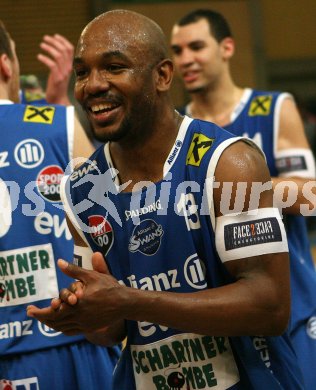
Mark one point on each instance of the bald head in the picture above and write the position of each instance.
(123, 75)
(125, 29)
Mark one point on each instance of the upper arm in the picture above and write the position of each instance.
(291, 133)
(295, 161)
(241, 162)
(82, 145)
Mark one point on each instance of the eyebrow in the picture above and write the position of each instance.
(106, 56)
(190, 44)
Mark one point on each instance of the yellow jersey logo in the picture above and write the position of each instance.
(260, 105)
(200, 144)
(39, 114)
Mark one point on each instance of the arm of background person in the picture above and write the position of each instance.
(83, 147)
(291, 135)
(58, 58)
(257, 302)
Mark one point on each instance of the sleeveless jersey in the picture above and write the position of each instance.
(36, 145)
(257, 117)
(161, 238)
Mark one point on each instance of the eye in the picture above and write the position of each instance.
(196, 46)
(176, 50)
(80, 72)
(115, 68)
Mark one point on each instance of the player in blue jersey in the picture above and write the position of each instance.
(202, 46)
(201, 292)
(37, 143)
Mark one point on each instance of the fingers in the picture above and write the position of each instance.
(77, 289)
(65, 43)
(58, 320)
(55, 303)
(60, 52)
(99, 264)
(58, 59)
(60, 45)
(33, 311)
(72, 294)
(67, 296)
(74, 271)
(62, 320)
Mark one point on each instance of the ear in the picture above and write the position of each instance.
(227, 48)
(5, 66)
(164, 75)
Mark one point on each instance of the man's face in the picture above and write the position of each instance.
(15, 79)
(197, 55)
(113, 80)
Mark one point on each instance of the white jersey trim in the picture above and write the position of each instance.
(175, 150)
(301, 157)
(68, 209)
(6, 101)
(82, 257)
(70, 123)
(240, 105)
(276, 119)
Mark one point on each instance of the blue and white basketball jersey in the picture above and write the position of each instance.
(162, 238)
(257, 117)
(36, 145)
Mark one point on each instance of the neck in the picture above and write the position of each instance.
(144, 161)
(216, 103)
(4, 95)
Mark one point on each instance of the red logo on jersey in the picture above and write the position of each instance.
(2, 291)
(101, 232)
(48, 182)
(5, 385)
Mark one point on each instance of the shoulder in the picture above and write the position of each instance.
(242, 161)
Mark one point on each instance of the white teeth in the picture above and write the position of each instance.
(100, 107)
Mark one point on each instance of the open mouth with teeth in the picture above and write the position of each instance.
(101, 108)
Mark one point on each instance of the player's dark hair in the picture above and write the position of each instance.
(5, 43)
(218, 24)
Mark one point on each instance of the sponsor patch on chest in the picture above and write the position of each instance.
(27, 275)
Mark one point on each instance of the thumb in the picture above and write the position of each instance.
(73, 271)
(99, 264)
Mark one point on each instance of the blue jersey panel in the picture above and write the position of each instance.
(79, 366)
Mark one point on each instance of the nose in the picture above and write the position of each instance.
(97, 81)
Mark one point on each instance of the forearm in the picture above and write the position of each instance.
(61, 100)
(241, 308)
(295, 195)
(109, 335)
